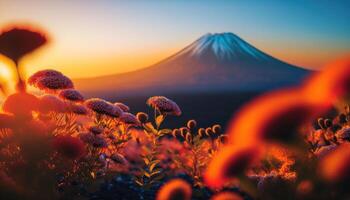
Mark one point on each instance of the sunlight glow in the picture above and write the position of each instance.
(5, 73)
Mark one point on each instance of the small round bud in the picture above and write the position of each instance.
(208, 131)
(184, 131)
(328, 123)
(216, 129)
(342, 118)
(191, 124)
(321, 124)
(188, 137)
(201, 132)
(176, 132)
(142, 117)
(223, 139)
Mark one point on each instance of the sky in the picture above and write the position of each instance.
(92, 38)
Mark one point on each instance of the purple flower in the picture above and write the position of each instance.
(93, 140)
(99, 142)
(164, 105)
(130, 119)
(122, 106)
(95, 130)
(78, 109)
(87, 137)
(54, 83)
(101, 106)
(71, 95)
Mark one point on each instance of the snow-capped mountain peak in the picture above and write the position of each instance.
(225, 46)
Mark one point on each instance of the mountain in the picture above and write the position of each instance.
(214, 62)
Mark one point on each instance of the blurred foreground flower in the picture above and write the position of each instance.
(230, 163)
(69, 146)
(176, 189)
(227, 196)
(16, 42)
(21, 104)
(50, 103)
(274, 117)
(335, 166)
(330, 84)
(6, 121)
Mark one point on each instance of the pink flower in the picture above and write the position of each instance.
(175, 189)
(122, 106)
(71, 95)
(164, 105)
(41, 74)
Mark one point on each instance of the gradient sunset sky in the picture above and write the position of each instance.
(98, 37)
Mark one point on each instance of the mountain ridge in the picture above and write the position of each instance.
(220, 61)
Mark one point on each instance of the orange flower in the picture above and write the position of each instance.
(335, 166)
(21, 104)
(276, 116)
(330, 84)
(175, 189)
(51, 103)
(226, 196)
(230, 162)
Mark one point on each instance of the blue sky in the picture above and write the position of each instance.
(127, 35)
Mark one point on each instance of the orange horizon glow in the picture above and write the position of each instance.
(94, 64)
(89, 39)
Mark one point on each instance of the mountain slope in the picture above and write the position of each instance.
(214, 62)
